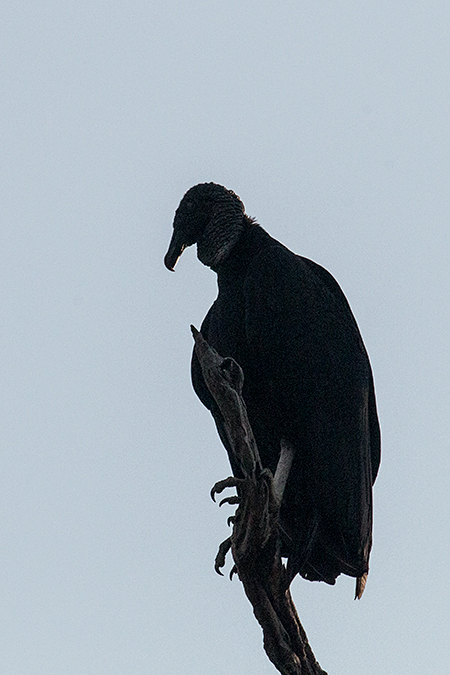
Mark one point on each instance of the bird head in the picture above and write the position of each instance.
(210, 216)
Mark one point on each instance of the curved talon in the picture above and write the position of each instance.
(229, 500)
(221, 555)
(221, 485)
(231, 520)
(234, 571)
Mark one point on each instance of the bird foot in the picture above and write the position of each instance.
(225, 546)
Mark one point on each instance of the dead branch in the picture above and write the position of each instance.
(255, 541)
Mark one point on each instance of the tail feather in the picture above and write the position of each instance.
(360, 586)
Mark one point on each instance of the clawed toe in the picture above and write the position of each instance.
(229, 500)
(234, 570)
(221, 485)
(225, 546)
(221, 555)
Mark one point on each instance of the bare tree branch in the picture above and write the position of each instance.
(255, 541)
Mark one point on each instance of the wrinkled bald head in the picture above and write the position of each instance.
(210, 216)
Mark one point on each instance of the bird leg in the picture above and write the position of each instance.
(283, 468)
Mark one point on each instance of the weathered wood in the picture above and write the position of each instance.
(254, 542)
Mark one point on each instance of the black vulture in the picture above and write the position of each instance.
(308, 384)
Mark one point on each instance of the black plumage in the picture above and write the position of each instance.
(307, 380)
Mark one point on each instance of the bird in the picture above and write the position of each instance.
(308, 383)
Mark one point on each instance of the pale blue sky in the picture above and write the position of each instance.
(332, 122)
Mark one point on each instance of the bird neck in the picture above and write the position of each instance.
(251, 240)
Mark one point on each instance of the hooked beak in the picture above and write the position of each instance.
(176, 248)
